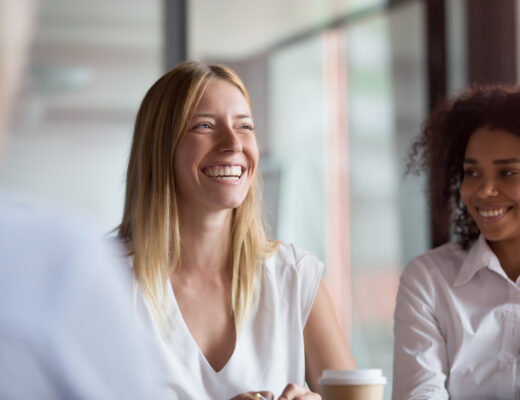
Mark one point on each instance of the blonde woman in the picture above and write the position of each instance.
(239, 316)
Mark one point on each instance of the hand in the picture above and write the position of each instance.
(254, 395)
(297, 392)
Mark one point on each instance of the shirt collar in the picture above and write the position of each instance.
(479, 256)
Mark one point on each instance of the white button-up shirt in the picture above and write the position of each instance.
(457, 327)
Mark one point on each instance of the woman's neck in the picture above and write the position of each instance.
(508, 255)
(205, 241)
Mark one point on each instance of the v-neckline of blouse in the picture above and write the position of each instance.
(187, 331)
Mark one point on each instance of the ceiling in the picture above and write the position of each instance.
(96, 58)
(236, 28)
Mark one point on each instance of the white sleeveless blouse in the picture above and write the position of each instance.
(269, 351)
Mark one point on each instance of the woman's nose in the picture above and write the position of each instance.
(230, 142)
(487, 188)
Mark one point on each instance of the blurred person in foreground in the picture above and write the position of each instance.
(457, 318)
(239, 316)
(67, 328)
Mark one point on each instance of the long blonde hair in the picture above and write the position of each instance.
(150, 225)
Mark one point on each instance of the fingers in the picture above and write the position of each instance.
(260, 395)
(264, 395)
(291, 392)
(297, 392)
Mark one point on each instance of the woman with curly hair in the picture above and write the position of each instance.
(457, 318)
(236, 315)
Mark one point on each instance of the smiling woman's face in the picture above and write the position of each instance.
(491, 185)
(216, 159)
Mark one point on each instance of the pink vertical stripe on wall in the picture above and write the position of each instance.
(336, 179)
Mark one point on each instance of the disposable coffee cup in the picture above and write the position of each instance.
(356, 384)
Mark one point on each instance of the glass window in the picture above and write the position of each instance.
(296, 132)
(344, 107)
(91, 64)
(386, 104)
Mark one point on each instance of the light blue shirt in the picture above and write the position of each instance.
(67, 323)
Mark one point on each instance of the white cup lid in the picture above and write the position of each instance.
(352, 377)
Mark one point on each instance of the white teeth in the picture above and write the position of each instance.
(228, 173)
(491, 213)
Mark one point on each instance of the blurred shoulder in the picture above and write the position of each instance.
(36, 237)
(39, 222)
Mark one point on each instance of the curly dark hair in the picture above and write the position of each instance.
(439, 150)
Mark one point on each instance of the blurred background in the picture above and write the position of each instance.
(339, 89)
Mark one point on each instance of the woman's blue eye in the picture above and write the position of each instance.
(202, 125)
(247, 126)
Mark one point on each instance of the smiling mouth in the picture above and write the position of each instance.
(492, 213)
(225, 172)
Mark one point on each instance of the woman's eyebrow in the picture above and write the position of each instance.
(506, 161)
(211, 115)
(203, 114)
(496, 162)
(243, 116)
